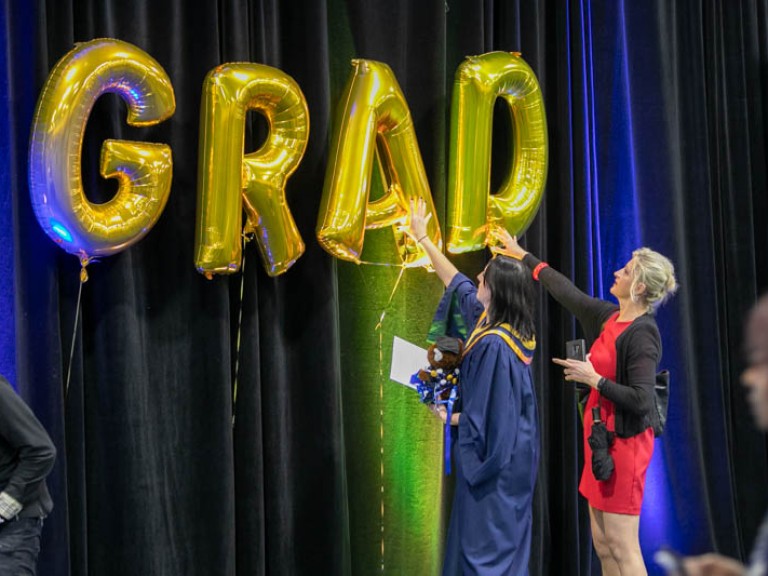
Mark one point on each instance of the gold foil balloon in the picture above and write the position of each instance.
(373, 119)
(471, 205)
(143, 170)
(226, 176)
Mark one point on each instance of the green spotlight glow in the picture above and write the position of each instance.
(393, 442)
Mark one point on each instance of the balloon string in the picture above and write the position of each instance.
(83, 279)
(385, 264)
(239, 330)
(386, 307)
(378, 329)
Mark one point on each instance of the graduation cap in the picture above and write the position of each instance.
(448, 344)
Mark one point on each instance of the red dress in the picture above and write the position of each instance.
(622, 493)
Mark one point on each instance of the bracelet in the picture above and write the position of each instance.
(539, 267)
(422, 238)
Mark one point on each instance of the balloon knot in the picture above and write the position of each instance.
(84, 261)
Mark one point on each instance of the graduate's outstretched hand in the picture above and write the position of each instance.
(417, 220)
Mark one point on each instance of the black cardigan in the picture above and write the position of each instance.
(638, 350)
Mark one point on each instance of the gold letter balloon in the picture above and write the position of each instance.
(143, 169)
(373, 119)
(472, 208)
(227, 176)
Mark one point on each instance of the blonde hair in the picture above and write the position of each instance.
(657, 273)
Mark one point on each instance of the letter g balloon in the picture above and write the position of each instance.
(143, 169)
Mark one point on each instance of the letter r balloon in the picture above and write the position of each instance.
(227, 176)
(479, 81)
(144, 170)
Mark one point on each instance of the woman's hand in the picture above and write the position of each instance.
(441, 412)
(417, 222)
(578, 371)
(416, 228)
(712, 565)
(507, 244)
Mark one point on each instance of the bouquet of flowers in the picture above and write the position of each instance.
(438, 383)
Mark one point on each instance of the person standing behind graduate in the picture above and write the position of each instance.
(498, 431)
(26, 457)
(755, 380)
(621, 373)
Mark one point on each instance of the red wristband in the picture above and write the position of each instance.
(539, 267)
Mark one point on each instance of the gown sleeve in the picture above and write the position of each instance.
(489, 419)
(466, 299)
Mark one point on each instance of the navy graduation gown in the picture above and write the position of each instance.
(497, 453)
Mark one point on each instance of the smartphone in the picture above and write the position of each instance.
(576, 350)
(671, 560)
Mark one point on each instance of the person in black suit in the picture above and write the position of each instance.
(26, 458)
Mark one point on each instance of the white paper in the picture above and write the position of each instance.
(407, 359)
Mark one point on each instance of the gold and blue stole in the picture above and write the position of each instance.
(522, 348)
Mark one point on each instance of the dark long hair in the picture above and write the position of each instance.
(512, 295)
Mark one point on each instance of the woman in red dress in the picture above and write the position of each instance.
(621, 372)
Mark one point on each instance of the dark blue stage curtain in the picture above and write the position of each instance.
(656, 114)
(7, 335)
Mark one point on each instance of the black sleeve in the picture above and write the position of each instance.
(22, 432)
(590, 312)
(642, 359)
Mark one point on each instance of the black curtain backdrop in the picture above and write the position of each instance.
(658, 137)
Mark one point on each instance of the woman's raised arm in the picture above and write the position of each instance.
(417, 229)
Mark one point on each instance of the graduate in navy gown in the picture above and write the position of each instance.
(497, 453)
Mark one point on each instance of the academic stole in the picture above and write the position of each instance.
(522, 348)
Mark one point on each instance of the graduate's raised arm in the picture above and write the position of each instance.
(417, 229)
